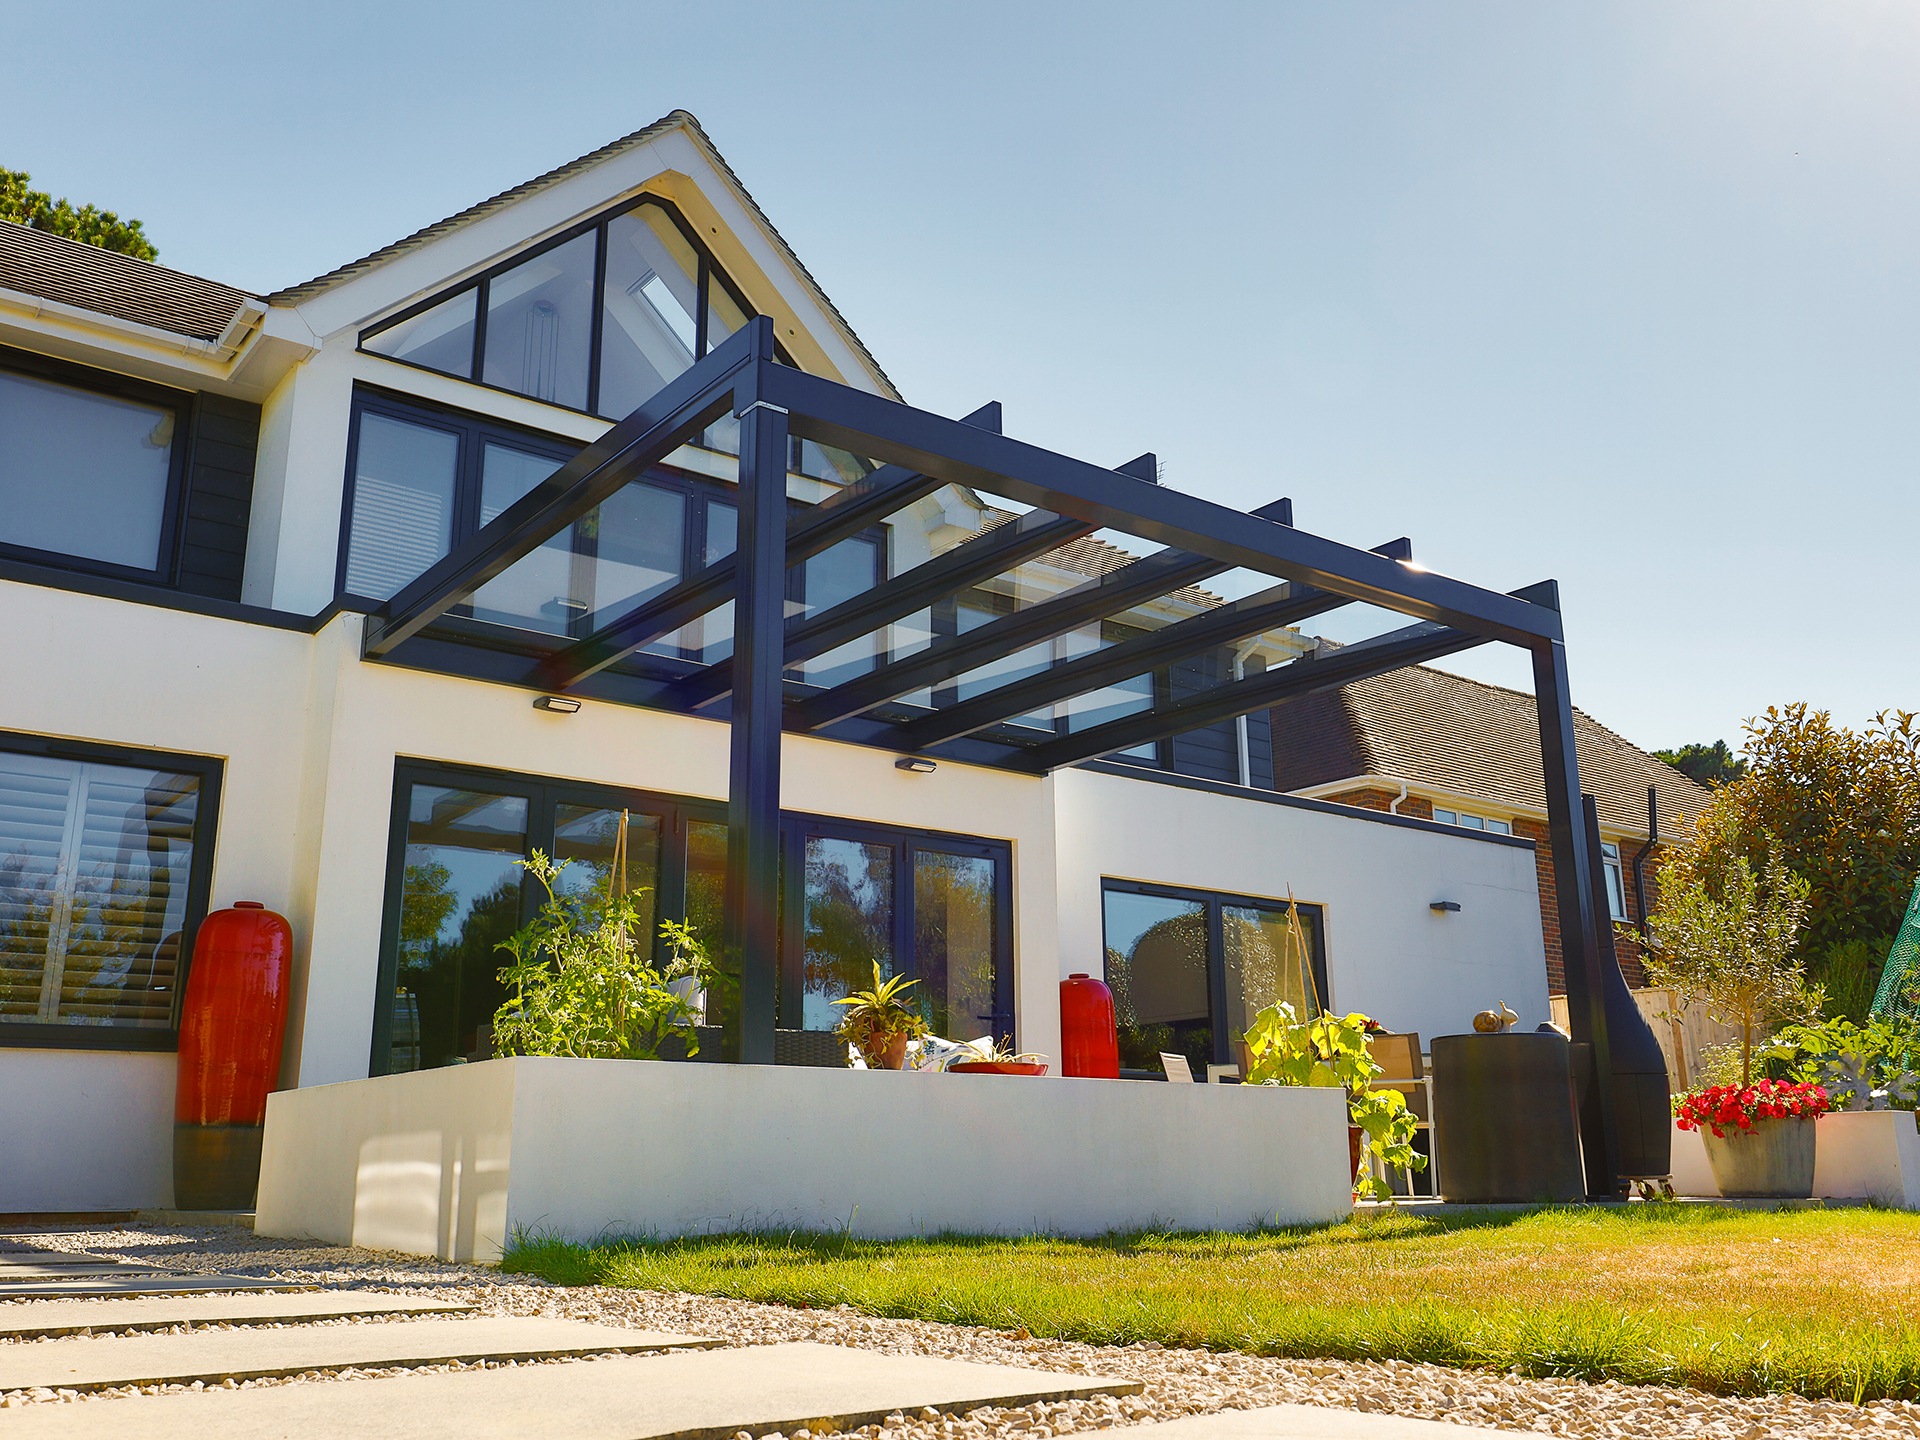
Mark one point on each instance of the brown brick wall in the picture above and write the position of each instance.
(1414, 806)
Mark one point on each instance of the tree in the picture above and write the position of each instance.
(38, 210)
(1725, 936)
(1713, 764)
(1841, 807)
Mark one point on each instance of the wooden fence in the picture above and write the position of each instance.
(1683, 1031)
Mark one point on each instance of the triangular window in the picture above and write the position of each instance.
(537, 327)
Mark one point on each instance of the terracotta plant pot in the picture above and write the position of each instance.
(1772, 1161)
(998, 1067)
(892, 1057)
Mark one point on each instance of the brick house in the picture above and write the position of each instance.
(1429, 745)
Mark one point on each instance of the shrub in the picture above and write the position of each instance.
(1862, 1067)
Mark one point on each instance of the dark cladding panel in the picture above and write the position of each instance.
(220, 456)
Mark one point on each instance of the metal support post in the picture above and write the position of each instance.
(1579, 924)
(753, 793)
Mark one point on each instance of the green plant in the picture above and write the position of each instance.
(1332, 1050)
(1861, 1067)
(1849, 975)
(582, 981)
(876, 1018)
(1725, 939)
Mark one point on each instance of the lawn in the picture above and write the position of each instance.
(1822, 1302)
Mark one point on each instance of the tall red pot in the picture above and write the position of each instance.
(231, 1026)
(1089, 1041)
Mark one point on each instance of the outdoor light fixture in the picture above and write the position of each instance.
(557, 704)
(918, 764)
(1444, 907)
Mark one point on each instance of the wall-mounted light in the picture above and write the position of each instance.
(917, 764)
(1444, 907)
(557, 704)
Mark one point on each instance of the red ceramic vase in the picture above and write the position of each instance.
(231, 1027)
(1089, 1041)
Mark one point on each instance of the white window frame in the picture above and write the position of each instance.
(1616, 880)
(1467, 820)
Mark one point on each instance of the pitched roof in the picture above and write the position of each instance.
(673, 120)
(1470, 739)
(53, 267)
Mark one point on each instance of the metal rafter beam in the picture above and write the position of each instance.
(1305, 676)
(886, 430)
(680, 410)
(980, 558)
(846, 512)
(1281, 605)
(1118, 590)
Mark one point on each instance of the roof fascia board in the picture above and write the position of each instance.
(1461, 800)
(89, 337)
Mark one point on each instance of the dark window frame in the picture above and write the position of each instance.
(544, 794)
(173, 509)
(37, 1035)
(476, 429)
(710, 271)
(1215, 902)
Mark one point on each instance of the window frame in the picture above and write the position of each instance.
(1215, 902)
(544, 794)
(710, 270)
(39, 1035)
(1613, 871)
(180, 403)
(1484, 827)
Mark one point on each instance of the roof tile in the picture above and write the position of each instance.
(53, 267)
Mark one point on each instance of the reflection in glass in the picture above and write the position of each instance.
(536, 591)
(1113, 701)
(82, 473)
(586, 837)
(848, 920)
(636, 539)
(651, 296)
(1157, 969)
(1267, 963)
(953, 943)
(540, 324)
(459, 897)
(723, 318)
(981, 607)
(839, 573)
(440, 338)
(94, 867)
(710, 637)
(707, 882)
(403, 490)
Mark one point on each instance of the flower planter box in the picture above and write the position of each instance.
(452, 1162)
(1869, 1155)
(1770, 1160)
(1858, 1155)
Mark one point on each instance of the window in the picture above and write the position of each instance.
(421, 479)
(105, 856)
(1616, 881)
(1472, 822)
(1190, 969)
(936, 907)
(89, 475)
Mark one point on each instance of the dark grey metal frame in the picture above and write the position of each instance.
(775, 402)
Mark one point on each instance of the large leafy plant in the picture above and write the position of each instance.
(582, 981)
(1861, 1067)
(877, 1017)
(1336, 1051)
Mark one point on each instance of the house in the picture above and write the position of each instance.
(347, 598)
(1437, 746)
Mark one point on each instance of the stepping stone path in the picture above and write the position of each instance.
(656, 1386)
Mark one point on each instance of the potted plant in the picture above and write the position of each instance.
(1759, 1137)
(1866, 1146)
(879, 1023)
(1725, 936)
(1333, 1050)
(1002, 1061)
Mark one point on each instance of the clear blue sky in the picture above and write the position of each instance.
(1621, 294)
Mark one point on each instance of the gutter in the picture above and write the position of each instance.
(222, 349)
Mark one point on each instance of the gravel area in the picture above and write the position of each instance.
(1178, 1382)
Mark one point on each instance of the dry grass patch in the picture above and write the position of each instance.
(1821, 1302)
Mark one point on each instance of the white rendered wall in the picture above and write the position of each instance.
(453, 1162)
(1388, 954)
(85, 1130)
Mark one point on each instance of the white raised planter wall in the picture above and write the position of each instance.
(1858, 1155)
(451, 1163)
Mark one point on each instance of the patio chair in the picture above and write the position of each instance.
(1179, 1069)
(1404, 1069)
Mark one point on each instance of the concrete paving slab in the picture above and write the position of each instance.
(11, 1271)
(147, 1284)
(39, 1319)
(98, 1361)
(703, 1396)
(1304, 1422)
